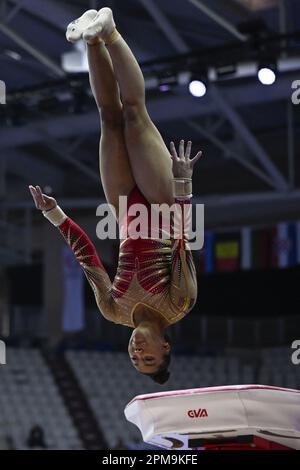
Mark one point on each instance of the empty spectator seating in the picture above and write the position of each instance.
(29, 397)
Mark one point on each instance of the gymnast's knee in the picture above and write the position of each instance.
(112, 117)
(134, 113)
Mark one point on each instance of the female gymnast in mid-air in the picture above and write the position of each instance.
(155, 285)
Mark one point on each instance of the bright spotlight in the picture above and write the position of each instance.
(266, 76)
(197, 88)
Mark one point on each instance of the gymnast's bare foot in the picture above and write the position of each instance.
(76, 29)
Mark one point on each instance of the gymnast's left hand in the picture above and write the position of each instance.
(183, 164)
(42, 201)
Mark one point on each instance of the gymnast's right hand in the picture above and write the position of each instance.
(42, 202)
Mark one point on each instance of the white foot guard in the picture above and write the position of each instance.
(77, 27)
(102, 26)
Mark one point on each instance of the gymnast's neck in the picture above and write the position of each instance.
(147, 318)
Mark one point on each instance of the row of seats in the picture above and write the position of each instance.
(29, 397)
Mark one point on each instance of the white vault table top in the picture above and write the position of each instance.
(172, 419)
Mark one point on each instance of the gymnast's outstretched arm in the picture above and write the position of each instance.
(183, 288)
(83, 249)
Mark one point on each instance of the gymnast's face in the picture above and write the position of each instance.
(146, 350)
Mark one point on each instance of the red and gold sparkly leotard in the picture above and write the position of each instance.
(152, 273)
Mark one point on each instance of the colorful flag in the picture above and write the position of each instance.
(265, 248)
(209, 252)
(227, 252)
(206, 255)
(256, 248)
(246, 252)
(286, 245)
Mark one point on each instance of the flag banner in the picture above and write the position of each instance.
(286, 246)
(227, 252)
(282, 246)
(73, 306)
(251, 248)
(246, 248)
(262, 242)
(209, 264)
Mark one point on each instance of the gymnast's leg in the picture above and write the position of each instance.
(149, 157)
(115, 169)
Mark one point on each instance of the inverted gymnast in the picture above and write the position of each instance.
(155, 285)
